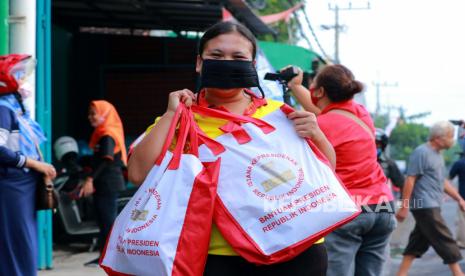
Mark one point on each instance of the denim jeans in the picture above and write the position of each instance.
(358, 247)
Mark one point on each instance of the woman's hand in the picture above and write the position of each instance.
(185, 96)
(149, 149)
(46, 169)
(297, 80)
(301, 93)
(305, 124)
(88, 188)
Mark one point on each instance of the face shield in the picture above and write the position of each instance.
(23, 69)
(14, 71)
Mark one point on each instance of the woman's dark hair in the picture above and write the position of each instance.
(339, 83)
(227, 27)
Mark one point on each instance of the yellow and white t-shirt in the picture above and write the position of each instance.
(259, 108)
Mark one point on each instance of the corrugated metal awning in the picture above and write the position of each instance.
(176, 15)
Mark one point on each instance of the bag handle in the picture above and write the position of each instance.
(170, 135)
(354, 118)
(210, 112)
(48, 183)
(198, 138)
(188, 131)
(184, 132)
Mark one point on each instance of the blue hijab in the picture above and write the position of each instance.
(30, 131)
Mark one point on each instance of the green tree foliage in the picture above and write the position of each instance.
(282, 28)
(408, 135)
(405, 138)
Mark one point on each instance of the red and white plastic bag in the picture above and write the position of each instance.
(277, 194)
(165, 228)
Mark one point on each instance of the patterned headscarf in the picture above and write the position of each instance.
(31, 134)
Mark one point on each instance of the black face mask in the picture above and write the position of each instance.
(229, 74)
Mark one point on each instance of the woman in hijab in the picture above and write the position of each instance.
(106, 180)
(21, 166)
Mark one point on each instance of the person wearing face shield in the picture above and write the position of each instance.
(226, 63)
(21, 167)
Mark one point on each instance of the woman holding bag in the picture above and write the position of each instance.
(20, 169)
(226, 62)
(357, 248)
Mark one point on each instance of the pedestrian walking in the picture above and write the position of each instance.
(422, 194)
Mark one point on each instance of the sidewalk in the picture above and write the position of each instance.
(69, 261)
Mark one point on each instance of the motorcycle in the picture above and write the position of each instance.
(74, 220)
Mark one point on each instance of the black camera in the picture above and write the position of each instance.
(284, 76)
(457, 122)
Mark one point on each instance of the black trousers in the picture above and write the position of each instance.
(312, 262)
(106, 210)
(430, 229)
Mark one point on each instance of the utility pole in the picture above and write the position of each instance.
(338, 28)
(378, 85)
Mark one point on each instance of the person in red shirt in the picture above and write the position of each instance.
(357, 248)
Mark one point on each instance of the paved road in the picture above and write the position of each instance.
(430, 263)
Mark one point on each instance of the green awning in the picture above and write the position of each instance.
(281, 55)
